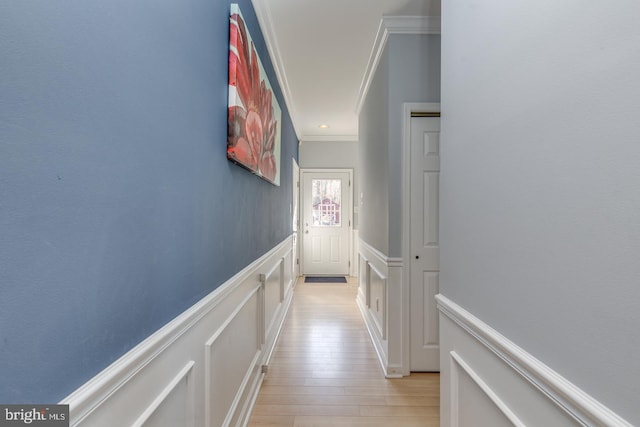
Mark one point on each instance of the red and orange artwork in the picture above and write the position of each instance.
(254, 118)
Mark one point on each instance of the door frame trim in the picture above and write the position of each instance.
(301, 212)
(407, 109)
(295, 193)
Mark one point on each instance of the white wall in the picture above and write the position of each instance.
(540, 185)
(332, 155)
(328, 154)
(373, 174)
(414, 76)
(408, 71)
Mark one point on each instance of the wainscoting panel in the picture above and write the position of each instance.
(430, 286)
(272, 282)
(174, 406)
(229, 358)
(363, 294)
(473, 400)
(380, 296)
(287, 274)
(354, 270)
(378, 300)
(204, 368)
(488, 380)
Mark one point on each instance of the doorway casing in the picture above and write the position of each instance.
(390, 327)
(407, 109)
(350, 244)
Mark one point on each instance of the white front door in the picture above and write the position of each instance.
(326, 222)
(425, 242)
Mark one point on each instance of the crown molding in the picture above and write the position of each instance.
(263, 13)
(412, 24)
(393, 25)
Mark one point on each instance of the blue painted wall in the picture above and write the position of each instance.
(118, 207)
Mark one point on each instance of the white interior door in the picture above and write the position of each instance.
(326, 222)
(425, 242)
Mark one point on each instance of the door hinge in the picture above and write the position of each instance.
(298, 184)
(297, 261)
(349, 263)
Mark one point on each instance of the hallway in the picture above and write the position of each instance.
(324, 370)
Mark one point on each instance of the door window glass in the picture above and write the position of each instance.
(326, 202)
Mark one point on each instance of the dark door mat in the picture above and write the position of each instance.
(325, 279)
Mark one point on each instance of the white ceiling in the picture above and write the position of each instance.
(321, 51)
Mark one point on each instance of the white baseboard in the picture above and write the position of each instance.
(380, 303)
(485, 376)
(203, 368)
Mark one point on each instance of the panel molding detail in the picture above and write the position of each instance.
(430, 315)
(182, 375)
(380, 296)
(224, 335)
(209, 360)
(529, 390)
(381, 304)
(457, 364)
(353, 271)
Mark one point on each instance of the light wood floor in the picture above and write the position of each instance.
(324, 370)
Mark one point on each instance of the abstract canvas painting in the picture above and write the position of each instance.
(254, 117)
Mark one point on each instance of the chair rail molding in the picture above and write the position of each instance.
(197, 370)
(525, 390)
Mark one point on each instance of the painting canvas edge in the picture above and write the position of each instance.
(234, 100)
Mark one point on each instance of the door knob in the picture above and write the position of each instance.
(417, 256)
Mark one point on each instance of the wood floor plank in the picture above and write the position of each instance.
(271, 420)
(324, 371)
(287, 381)
(364, 382)
(301, 421)
(341, 374)
(277, 389)
(284, 399)
(413, 400)
(326, 363)
(399, 411)
(390, 391)
(324, 410)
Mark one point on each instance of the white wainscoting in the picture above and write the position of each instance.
(380, 294)
(488, 380)
(204, 368)
(174, 405)
(353, 269)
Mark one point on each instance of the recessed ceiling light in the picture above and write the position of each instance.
(324, 126)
